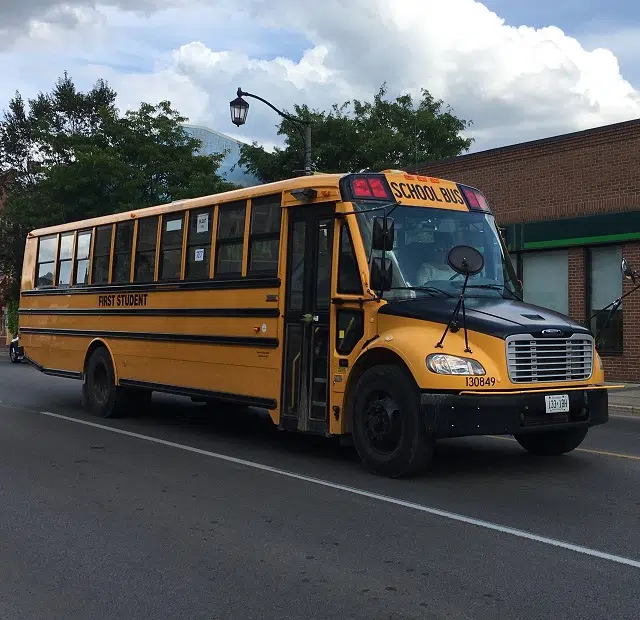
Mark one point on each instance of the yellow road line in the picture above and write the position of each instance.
(601, 452)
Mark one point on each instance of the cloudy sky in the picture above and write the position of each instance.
(519, 69)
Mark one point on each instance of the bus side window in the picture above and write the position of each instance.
(146, 249)
(65, 259)
(122, 252)
(348, 274)
(199, 244)
(349, 331)
(101, 255)
(171, 247)
(46, 260)
(264, 235)
(83, 248)
(231, 220)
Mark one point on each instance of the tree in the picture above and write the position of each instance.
(360, 135)
(74, 156)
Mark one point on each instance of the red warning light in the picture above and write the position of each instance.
(378, 188)
(370, 187)
(475, 200)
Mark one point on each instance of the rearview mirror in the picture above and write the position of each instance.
(381, 274)
(627, 272)
(383, 237)
(465, 260)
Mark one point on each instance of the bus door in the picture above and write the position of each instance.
(308, 301)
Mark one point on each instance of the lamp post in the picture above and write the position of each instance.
(240, 109)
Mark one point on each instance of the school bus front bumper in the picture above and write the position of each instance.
(461, 415)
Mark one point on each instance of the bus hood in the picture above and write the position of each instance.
(492, 316)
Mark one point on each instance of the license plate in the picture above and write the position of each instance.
(557, 403)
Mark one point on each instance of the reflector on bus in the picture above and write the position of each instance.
(474, 199)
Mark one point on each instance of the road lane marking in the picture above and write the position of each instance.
(452, 516)
(619, 455)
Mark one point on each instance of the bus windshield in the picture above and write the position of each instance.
(423, 238)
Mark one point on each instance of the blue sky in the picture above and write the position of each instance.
(514, 83)
(612, 23)
(576, 17)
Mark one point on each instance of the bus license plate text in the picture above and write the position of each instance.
(557, 403)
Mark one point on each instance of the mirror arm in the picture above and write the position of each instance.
(454, 317)
(614, 306)
(384, 246)
(617, 301)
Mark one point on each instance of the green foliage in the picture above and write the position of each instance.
(360, 135)
(12, 316)
(74, 156)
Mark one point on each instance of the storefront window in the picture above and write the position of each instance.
(545, 278)
(605, 285)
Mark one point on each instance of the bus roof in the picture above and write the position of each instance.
(315, 180)
(401, 186)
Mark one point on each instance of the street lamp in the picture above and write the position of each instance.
(239, 111)
(240, 108)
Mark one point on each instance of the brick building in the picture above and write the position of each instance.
(569, 207)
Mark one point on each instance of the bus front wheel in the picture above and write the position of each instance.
(552, 443)
(388, 430)
(101, 395)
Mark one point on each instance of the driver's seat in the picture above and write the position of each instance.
(414, 254)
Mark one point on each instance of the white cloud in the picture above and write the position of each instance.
(514, 83)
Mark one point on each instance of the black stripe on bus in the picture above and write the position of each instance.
(54, 372)
(251, 401)
(204, 285)
(163, 312)
(246, 341)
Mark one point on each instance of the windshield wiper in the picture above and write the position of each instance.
(495, 287)
(426, 289)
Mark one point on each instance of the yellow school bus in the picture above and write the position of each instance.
(378, 306)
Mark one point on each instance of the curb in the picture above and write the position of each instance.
(627, 410)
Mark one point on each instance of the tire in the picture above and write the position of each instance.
(388, 430)
(552, 443)
(101, 395)
(13, 355)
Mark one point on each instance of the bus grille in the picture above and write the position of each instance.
(533, 360)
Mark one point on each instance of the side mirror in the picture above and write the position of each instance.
(383, 236)
(381, 274)
(627, 272)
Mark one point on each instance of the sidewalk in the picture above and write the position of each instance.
(626, 401)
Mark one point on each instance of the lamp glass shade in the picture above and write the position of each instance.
(239, 110)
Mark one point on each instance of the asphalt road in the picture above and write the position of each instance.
(183, 515)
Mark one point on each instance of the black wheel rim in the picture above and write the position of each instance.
(100, 384)
(382, 422)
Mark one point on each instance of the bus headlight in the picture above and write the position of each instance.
(443, 364)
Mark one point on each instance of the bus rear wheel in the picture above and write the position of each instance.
(388, 430)
(552, 443)
(101, 395)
